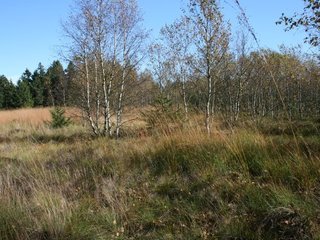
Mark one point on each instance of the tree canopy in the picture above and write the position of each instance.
(308, 19)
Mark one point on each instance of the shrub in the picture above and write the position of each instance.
(162, 115)
(59, 119)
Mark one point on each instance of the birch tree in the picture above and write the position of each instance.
(106, 43)
(132, 40)
(178, 41)
(79, 50)
(240, 76)
(159, 64)
(211, 39)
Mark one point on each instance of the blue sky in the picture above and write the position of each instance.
(31, 29)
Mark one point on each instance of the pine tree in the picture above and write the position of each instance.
(38, 81)
(73, 88)
(24, 90)
(56, 80)
(11, 96)
(59, 119)
(3, 81)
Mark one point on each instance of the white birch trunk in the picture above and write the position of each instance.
(88, 107)
(97, 96)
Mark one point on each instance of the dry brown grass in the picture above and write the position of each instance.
(32, 116)
(177, 182)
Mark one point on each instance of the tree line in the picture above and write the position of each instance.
(287, 86)
(57, 86)
(197, 63)
(51, 87)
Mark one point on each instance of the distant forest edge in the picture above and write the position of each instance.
(41, 88)
(57, 86)
(244, 87)
(197, 63)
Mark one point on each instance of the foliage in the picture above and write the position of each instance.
(162, 114)
(41, 88)
(59, 119)
(56, 84)
(8, 94)
(38, 86)
(107, 80)
(309, 19)
(194, 64)
(24, 90)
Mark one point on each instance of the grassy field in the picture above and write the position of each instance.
(256, 181)
(33, 116)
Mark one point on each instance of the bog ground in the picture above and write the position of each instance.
(255, 181)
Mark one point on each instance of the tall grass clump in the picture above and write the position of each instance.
(163, 117)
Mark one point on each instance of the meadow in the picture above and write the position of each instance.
(254, 180)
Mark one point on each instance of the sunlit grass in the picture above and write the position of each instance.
(178, 184)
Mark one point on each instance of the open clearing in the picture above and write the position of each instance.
(248, 183)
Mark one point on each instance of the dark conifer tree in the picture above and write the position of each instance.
(38, 83)
(56, 78)
(73, 88)
(24, 90)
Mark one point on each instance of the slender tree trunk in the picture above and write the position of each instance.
(184, 94)
(238, 99)
(121, 91)
(107, 87)
(106, 96)
(289, 108)
(88, 106)
(209, 97)
(300, 98)
(213, 98)
(119, 108)
(107, 107)
(97, 96)
(272, 101)
(185, 104)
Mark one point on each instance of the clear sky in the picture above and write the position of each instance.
(30, 30)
